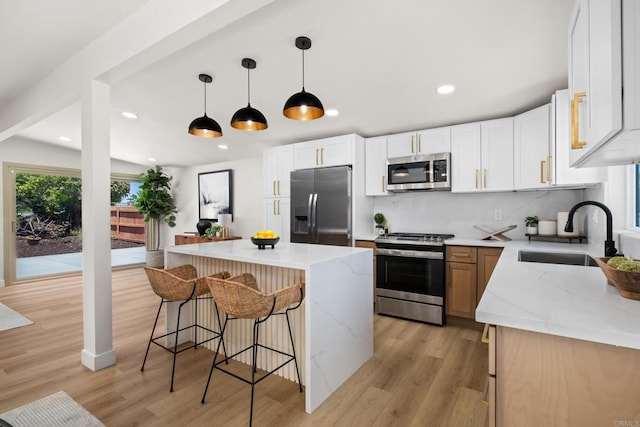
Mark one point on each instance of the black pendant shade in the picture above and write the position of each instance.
(205, 126)
(248, 118)
(303, 105)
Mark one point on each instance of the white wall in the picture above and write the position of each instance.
(25, 151)
(446, 212)
(248, 215)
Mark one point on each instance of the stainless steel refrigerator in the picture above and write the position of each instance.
(321, 206)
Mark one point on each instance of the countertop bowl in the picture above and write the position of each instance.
(627, 282)
(263, 243)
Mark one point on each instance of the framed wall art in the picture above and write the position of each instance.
(215, 194)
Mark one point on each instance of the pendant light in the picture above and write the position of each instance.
(303, 105)
(205, 126)
(248, 118)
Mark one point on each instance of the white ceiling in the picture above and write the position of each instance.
(378, 62)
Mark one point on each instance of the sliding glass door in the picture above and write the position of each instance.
(43, 231)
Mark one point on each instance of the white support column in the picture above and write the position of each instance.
(97, 316)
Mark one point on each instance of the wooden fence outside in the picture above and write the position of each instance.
(127, 224)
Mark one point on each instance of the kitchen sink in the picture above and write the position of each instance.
(557, 258)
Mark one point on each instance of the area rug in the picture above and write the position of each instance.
(10, 319)
(56, 410)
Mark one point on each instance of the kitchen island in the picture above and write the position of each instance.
(333, 329)
(564, 346)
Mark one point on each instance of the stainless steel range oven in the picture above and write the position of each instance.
(410, 276)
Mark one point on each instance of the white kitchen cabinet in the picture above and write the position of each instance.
(428, 141)
(376, 166)
(595, 75)
(482, 156)
(563, 174)
(277, 164)
(532, 155)
(335, 151)
(277, 217)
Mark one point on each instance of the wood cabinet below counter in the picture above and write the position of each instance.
(468, 271)
(187, 239)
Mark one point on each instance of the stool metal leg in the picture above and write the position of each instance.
(215, 357)
(293, 349)
(151, 337)
(224, 347)
(256, 329)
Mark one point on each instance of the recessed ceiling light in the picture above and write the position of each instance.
(64, 138)
(222, 146)
(445, 89)
(331, 112)
(151, 159)
(129, 115)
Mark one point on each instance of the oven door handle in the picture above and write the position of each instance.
(410, 254)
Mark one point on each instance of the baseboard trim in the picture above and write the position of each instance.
(97, 362)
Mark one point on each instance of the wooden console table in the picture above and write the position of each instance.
(187, 239)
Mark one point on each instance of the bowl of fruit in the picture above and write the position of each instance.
(264, 238)
(623, 273)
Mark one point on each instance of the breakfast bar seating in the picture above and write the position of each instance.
(239, 297)
(181, 284)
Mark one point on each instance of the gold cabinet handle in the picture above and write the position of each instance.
(316, 156)
(274, 187)
(382, 183)
(477, 171)
(322, 156)
(549, 168)
(412, 149)
(484, 178)
(419, 143)
(541, 171)
(485, 334)
(278, 206)
(576, 144)
(278, 187)
(274, 207)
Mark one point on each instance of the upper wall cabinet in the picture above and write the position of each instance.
(277, 166)
(325, 152)
(595, 76)
(376, 166)
(482, 156)
(417, 143)
(562, 173)
(532, 156)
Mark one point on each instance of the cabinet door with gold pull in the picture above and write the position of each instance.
(531, 148)
(497, 154)
(465, 157)
(376, 166)
(595, 74)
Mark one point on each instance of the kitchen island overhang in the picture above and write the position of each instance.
(333, 329)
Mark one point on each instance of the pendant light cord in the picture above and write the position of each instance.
(303, 69)
(205, 97)
(248, 87)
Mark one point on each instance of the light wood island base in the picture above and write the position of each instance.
(544, 380)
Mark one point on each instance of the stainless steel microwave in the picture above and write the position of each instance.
(425, 172)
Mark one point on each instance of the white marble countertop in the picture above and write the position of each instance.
(470, 241)
(563, 300)
(288, 255)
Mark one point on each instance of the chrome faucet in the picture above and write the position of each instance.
(609, 244)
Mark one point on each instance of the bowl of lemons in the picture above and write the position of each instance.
(264, 238)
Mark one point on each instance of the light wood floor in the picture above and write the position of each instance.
(420, 375)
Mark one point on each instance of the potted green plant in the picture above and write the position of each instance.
(379, 219)
(217, 229)
(531, 222)
(156, 203)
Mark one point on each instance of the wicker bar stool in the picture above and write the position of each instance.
(181, 284)
(240, 298)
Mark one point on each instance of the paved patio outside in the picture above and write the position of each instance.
(67, 263)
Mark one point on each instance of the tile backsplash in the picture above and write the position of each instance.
(446, 212)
